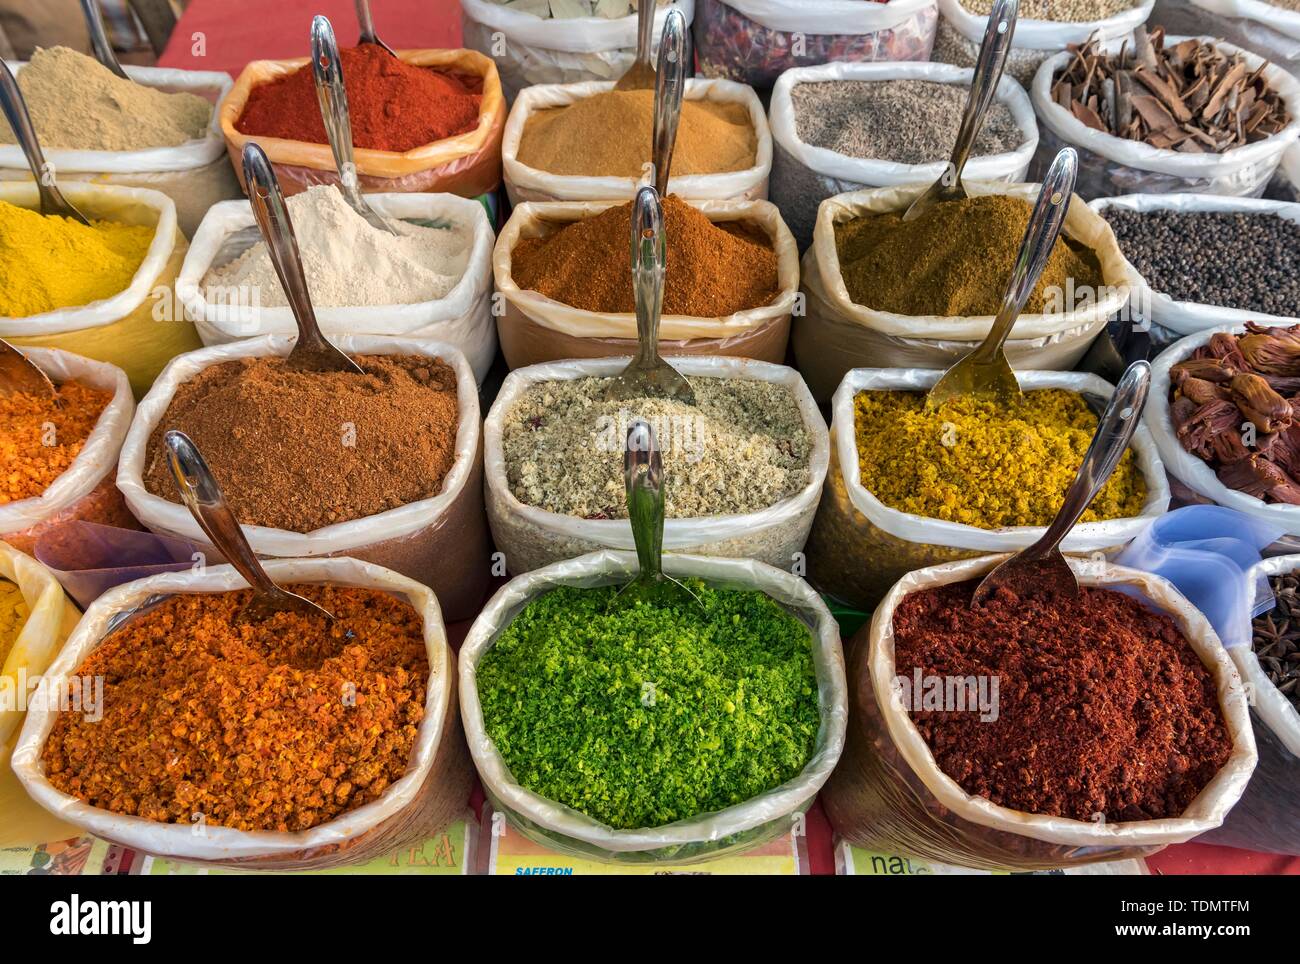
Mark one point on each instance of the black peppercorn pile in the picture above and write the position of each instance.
(1236, 260)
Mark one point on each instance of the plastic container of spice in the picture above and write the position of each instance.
(462, 318)
(531, 50)
(524, 183)
(532, 537)
(441, 541)
(135, 329)
(755, 41)
(1110, 165)
(859, 546)
(468, 164)
(534, 329)
(734, 829)
(1186, 317)
(804, 175)
(85, 490)
(836, 334)
(432, 792)
(890, 795)
(960, 32)
(1263, 28)
(195, 175)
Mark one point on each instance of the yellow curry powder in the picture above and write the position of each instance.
(987, 465)
(55, 262)
(38, 442)
(13, 616)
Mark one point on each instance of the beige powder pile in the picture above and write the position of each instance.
(76, 102)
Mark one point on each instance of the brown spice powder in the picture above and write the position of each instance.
(39, 442)
(275, 725)
(1103, 706)
(300, 450)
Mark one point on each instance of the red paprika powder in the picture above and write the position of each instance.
(394, 106)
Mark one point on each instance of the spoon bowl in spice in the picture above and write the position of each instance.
(367, 24)
(20, 375)
(641, 75)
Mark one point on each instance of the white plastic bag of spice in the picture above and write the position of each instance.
(890, 795)
(961, 31)
(441, 541)
(1266, 29)
(85, 490)
(1185, 317)
(195, 175)
(524, 183)
(1110, 165)
(530, 50)
(836, 334)
(432, 792)
(1286, 182)
(804, 175)
(531, 537)
(859, 546)
(755, 41)
(706, 836)
(534, 329)
(463, 317)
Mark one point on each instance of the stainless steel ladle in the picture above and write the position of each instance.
(367, 22)
(670, 82)
(641, 75)
(99, 41)
(53, 203)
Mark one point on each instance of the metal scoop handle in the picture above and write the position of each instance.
(99, 41)
(367, 23)
(670, 83)
(643, 477)
(15, 111)
(649, 263)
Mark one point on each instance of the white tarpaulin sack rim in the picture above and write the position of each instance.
(1270, 703)
(1047, 34)
(571, 34)
(1286, 22)
(827, 17)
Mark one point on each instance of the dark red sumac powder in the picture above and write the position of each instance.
(394, 106)
(1103, 705)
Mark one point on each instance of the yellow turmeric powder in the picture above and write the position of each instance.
(13, 616)
(55, 262)
(984, 464)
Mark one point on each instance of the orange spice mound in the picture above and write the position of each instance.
(38, 442)
(277, 725)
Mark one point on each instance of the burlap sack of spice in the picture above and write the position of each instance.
(738, 828)
(433, 791)
(804, 175)
(534, 329)
(524, 183)
(468, 164)
(859, 546)
(961, 31)
(1263, 28)
(441, 541)
(836, 334)
(195, 175)
(532, 537)
(462, 318)
(889, 795)
(139, 329)
(530, 50)
(86, 490)
(1110, 165)
(1186, 317)
(755, 41)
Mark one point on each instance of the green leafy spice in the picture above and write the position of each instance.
(640, 717)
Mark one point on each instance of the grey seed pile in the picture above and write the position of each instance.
(905, 121)
(1276, 637)
(1062, 11)
(1231, 259)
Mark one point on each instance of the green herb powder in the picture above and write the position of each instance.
(639, 717)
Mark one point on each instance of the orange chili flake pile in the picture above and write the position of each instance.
(38, 441)
(275, 725)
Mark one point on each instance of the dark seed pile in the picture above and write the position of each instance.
(1236, 260)
(1277, 637)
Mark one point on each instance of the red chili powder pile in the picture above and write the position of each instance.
(394, 106)
(1103, 706)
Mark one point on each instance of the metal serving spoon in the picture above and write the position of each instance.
(1042, 565)
(327, 69)
(983, 87)
(99, 42)
(643, 477)
(53, 203)
(641, 75)
(202, 496)
(647, 373)
(19, 374)
(985, 370)
(367, 22)
(670, 82)
(311, 352)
